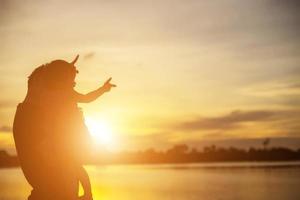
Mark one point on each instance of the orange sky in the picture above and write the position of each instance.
(186, 72)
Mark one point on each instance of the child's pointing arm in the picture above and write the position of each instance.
(91, 96)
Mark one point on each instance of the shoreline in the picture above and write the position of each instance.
(195, 165)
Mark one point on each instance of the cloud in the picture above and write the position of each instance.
(236, 118)
(274, 88)
(5, 129)
(282, 92)
(89, 55)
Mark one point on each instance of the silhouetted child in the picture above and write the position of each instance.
(75, 132)
(86, 98)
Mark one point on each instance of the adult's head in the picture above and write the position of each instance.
(56, 75)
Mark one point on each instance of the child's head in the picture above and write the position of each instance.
(60, 74)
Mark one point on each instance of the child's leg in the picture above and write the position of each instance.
(85, 182)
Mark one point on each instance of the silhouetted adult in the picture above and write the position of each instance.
(50, 155)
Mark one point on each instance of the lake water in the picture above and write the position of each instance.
(222, 181)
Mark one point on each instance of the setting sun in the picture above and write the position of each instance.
(101, 132)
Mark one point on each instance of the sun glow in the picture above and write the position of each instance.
(101, 132)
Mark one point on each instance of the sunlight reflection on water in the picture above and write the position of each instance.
(179, 182)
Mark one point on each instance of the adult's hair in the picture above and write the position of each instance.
(55, 75)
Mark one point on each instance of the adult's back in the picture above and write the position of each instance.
(46, 162)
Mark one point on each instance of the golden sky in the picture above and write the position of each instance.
(187, 71)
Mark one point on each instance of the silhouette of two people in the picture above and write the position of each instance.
(50, 135)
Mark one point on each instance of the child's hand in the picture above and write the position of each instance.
(107, 85)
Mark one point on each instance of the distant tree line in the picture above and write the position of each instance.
(7, 160)
(183, 154)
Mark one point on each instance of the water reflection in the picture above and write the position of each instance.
(178, 182)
